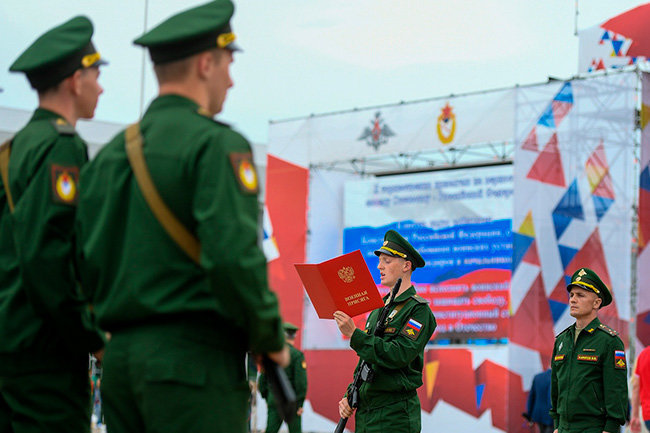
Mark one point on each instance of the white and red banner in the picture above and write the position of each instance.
(620, 41)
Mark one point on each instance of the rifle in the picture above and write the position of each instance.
(285, 397)
(365, 372)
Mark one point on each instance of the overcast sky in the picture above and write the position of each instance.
(316, 56)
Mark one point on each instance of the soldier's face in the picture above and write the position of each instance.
(582, 302)
(220, 80)
(391, 268)
(88, 92)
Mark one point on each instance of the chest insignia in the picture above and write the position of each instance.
(588, 350)
(619, 359)
(588, 358)
(390, 331)
(560, 346)
(591, 330)
(412, 329)
(558, 358)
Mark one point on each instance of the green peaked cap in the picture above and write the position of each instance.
(587, 279)
(288, 326)
(396, 246)
(58, 53)
(191, 32)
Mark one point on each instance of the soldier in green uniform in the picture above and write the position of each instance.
(297, 375)
(46, 332)
(390, 402)
(588, 367)
(181, 319)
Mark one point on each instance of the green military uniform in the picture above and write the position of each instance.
(45, 325)
(180, 329)
(588, 375)
(390, 402)
(297, 375)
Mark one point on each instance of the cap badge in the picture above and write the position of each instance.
(225, 39)
(578, 279)
(385, 243)
(582, 272)
(90, 59)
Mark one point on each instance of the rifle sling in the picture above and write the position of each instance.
(5, 151)
(174, 228)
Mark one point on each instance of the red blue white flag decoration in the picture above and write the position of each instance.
(620, 41)
(643, 252)
(573, 197)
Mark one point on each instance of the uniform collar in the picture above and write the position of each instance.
(171, 100)
(45, 114)
(590, 328)
(404, 296)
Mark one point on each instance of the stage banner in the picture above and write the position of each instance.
(573, 201)
(473, 119)
(618, 42)
(643, 255)
(460, 222)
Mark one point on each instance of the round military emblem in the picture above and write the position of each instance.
(247, 175)
(66, 187)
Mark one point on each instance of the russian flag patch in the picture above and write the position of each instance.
(619, 359)
(412, 329)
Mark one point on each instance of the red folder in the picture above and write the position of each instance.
(342, 283)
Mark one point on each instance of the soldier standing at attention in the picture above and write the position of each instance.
(297, 375)
(588, 367)
(390, 402)
(46, 332)
(183, 302)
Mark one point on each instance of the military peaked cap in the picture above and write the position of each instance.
(191, 32)
(396, 246)
(589, 280)
(58, 53)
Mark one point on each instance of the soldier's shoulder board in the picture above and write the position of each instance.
(62, 127)
(607, 330)
(419, 299)
(205, 113)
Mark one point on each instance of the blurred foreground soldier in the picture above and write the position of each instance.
(390, 402)
(588, 367)
(539, 402)
(297, 375)
(184, 302)
(45, 327)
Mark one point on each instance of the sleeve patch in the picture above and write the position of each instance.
(412, 329)
(64, 184)
(619, 359)
(304, 365)
(245, 173)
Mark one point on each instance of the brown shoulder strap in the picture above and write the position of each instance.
(174, 228)
(5, 151)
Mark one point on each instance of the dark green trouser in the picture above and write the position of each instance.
(400, 417)
(174, 378)
(274, 421)
(52, 402)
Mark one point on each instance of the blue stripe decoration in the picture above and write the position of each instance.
(565, 94)
(601, 205)
(521, 243)
(557, 309)
(547, 119)
(479, 394)
(566, 255)
(616, 45)
(645, 178)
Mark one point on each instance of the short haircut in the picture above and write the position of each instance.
(178, 69)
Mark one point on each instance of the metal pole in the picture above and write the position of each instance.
(142, 76)
(575, 22)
